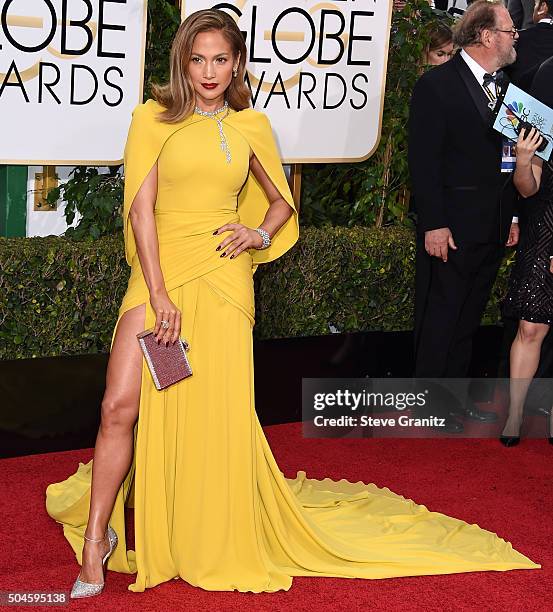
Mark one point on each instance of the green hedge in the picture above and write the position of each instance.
(61, 297)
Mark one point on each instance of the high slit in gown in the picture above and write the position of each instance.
(211, 505)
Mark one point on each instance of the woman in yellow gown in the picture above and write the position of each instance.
(210, 503)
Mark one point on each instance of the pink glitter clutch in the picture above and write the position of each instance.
(168, 365)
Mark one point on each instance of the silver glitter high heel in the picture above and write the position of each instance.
(87, 589)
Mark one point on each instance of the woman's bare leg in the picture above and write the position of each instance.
(524, 360)
(114, 444)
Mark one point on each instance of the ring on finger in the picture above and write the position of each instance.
(165, 324)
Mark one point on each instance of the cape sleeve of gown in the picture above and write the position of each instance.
(253, 203)
(142, 148)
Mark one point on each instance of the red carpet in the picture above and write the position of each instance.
(508, 491)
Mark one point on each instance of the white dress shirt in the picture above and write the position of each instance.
(475, 68)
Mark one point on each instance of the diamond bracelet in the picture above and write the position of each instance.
(266, 238)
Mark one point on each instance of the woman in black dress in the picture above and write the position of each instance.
(530, 295)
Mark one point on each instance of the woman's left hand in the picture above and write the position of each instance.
(527, 145)
(242, 238)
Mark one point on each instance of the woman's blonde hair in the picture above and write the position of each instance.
(178, 95)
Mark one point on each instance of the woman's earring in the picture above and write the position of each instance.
(235, 72)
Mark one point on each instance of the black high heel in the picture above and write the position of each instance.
(509, 441)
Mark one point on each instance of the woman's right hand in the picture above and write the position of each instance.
(166, 311)
(527, 147)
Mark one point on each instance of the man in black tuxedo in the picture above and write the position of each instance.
(464, 202)
(534, 46)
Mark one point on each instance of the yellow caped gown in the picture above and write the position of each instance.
(210, 503)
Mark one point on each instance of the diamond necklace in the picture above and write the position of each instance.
(212, 115)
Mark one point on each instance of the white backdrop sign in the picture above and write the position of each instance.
(71, 71)
(317, 69)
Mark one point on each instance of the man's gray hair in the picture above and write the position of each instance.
(480, 15)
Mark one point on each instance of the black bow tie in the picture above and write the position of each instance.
(489, 78)
(498, 79)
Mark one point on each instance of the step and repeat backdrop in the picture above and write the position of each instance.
(70, 74)
(318, 69)
(71, 71)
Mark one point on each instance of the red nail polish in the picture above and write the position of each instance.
(215, 232)
(218, 248)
